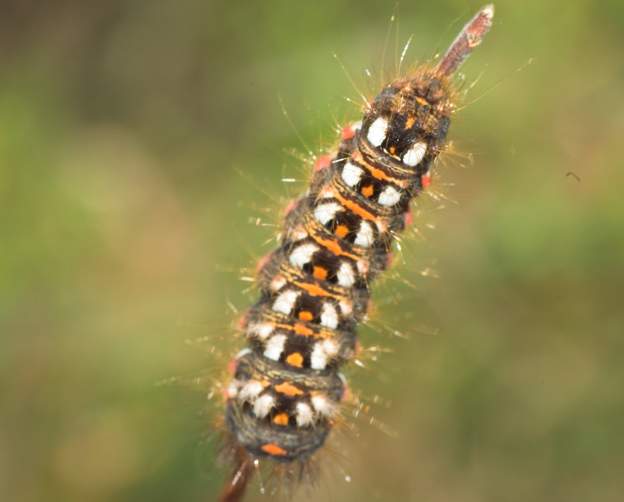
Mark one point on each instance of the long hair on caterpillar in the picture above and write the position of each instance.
(286, 390)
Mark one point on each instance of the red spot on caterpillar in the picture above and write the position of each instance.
(231, 367)
(322, 162)
(241, 323)
(371, 308)
(290, 206)
(262, 262)
(408, 218)
(425, 180)
(347, 133)
(347, 395)
(357, 348)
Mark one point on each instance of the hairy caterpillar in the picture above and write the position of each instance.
(314, 289)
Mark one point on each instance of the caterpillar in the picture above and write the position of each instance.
(286, 389)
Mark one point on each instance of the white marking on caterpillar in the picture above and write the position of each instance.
(346, 276)
(377, 131)
(329, 316)
(362, 266)
(318, 359)
(322, 405)
(275, 347)
(326, 212)
(365, 236)
(326, 193)
(285, 302)
(243, 353)
(346, 308)
(261, 330)
(304, 414)
(277, 283)
(415, 154)
(299, 234)
(302, 255)
(232, 389)
(389, 196)
(250, 391)
(263, 405)
(351, 174)
(381, 225)
(331, 347)
(321, 353)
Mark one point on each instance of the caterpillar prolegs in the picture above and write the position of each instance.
(314, 289)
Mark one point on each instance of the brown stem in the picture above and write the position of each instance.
(234, 489)
(470, 37)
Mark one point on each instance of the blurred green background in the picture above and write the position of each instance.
(142, 147)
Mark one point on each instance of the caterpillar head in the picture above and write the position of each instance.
(409, 119)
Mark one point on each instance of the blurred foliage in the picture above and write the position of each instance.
(142, 142)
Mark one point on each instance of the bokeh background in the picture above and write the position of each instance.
(142, 152)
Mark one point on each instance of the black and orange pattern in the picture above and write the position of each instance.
(315, 288)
